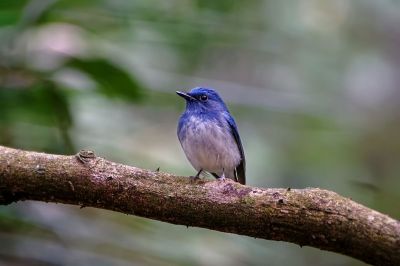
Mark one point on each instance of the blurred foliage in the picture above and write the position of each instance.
(314, 86)
(113, 81)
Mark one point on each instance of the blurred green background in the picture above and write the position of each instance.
(314, 87)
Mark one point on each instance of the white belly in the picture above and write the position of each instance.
(211, 148)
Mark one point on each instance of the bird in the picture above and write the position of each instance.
(209, 136)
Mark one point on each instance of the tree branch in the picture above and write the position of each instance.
(312, 217)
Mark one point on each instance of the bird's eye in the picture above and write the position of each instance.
(203, 97)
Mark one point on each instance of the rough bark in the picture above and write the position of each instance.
(312, 216)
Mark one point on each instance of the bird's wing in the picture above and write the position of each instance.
(240, 171)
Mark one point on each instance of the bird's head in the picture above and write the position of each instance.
(203, 100)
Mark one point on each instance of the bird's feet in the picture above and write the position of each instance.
(196, 177)
(222, 178)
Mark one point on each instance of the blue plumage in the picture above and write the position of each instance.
(209, 136)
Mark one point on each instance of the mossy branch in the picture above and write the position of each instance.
(308, 217)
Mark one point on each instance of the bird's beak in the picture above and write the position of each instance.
(185, 96)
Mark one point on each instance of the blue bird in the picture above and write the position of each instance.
(209, 136)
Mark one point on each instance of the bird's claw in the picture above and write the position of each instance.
(194, 179)
(222, 179)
